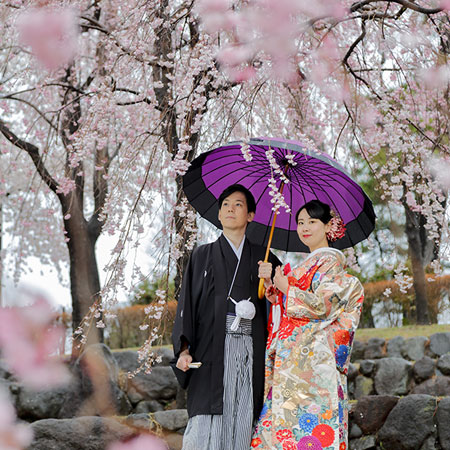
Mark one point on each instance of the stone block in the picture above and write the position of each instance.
(363, 443)
(82, 433)
(173, 419)
(37, 405)
(395, 347)
(367, 366)
(393, 376)
(148, 406)
(371, 411)
(438, 386)
(443, 364)
(363, 386)
(358, 349)
(424, 368)
(439, 344)
(160, 385)
(409, 424)
(353, 370)
(414, 348)
(443, 423)
(375, 348)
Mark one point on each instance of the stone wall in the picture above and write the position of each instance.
(76, 417)
(399, 392)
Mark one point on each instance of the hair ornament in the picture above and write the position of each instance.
(337, 228)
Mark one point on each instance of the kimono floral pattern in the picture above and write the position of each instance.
(307, 359)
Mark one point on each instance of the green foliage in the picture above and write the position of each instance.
(364, 334)
(145, 294)
(125, 331)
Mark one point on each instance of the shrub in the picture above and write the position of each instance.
(398, 302)
(125, 331)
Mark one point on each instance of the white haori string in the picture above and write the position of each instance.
(245, 309)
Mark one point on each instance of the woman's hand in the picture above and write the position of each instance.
(265, 272)
(280, 281)
(184, 360)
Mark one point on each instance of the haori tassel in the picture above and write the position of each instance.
(245, 309)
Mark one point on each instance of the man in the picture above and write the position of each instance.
(225, 394)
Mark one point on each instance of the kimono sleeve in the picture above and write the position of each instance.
(316, 304)
(183, 329)
(341, 331)
(330, 293)
(336, 301)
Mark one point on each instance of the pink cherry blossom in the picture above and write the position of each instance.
(213, 6)
(440, 168)
(13, 435)
(241, 74)
(435, 77)
(142, 442)
(266, 26)
(30, 344)
(300, 67)
(52, 35)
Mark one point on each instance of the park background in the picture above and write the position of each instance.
(104, 103)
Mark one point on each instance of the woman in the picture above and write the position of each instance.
(309, 348)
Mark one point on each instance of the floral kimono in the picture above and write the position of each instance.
(305, 406)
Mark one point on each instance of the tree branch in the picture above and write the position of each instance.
(33, 151)
(348, 54)
(405, 3)
(41, 114)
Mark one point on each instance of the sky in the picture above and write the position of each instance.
(44, 278)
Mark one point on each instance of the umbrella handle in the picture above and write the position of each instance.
(261, 289)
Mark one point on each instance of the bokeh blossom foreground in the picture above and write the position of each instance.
(13, 435)
(142, 442)
(30, 344)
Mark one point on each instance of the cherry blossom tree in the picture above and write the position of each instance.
(101, 105)
(368, 77)
(100, 132)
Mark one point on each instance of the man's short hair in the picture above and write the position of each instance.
(251, 204)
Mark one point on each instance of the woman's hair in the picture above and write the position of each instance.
(317, 210)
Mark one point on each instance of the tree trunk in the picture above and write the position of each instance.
(84, 276)
(416, 248)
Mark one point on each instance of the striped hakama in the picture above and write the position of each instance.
(233, 429)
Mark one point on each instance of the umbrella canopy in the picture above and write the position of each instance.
(311, 175)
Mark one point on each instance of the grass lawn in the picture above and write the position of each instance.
(364, 334)
(154, 347)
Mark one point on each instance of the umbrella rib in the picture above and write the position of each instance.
(314, 176)
(306, 176)
(333, 203)
(237, 181)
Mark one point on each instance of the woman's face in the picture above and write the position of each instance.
(312, 232)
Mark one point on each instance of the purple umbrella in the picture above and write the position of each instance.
(311, 175)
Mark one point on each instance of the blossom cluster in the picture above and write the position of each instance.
(245, 149)
(264, 26)
(31, 346)
(277, 199)
(52, 34)
(13, 436)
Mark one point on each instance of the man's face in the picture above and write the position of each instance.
(233, 214)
